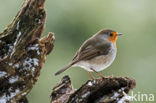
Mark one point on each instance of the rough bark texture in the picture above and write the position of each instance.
(22, 52)
(107, 90)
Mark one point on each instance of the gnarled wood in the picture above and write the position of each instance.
(22, 52)
(107, 90)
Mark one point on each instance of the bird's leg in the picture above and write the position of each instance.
(90, 75)
(98, 73)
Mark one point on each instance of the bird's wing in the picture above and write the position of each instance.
(85, 45)
(90, 51)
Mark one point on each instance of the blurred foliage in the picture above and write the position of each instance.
(73, 21)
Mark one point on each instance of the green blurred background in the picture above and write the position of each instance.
(73, 21)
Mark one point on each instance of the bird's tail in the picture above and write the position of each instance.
(63, 69)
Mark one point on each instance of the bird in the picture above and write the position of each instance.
(95, 54)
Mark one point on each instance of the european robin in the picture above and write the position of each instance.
(96, 53)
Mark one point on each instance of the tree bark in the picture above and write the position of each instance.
(22, 52)
(107, 90)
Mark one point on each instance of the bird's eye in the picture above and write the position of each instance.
(111, 34)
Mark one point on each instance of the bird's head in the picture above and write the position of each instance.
(108, 35)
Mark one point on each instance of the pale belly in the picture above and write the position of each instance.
(98, 63)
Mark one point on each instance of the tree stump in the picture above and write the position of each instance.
(22, 52)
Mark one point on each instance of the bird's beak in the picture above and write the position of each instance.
(118, 34)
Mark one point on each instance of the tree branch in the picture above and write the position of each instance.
(22, 52)
(108, 90)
